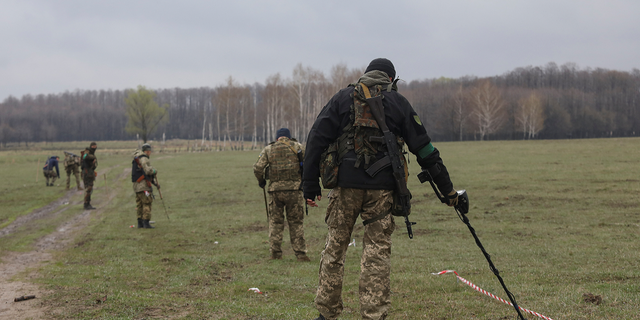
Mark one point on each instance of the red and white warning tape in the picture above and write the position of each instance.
(467, 282)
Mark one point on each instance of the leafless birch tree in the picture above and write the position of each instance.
(488, 108)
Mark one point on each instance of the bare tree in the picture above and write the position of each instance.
(530, 116)
(488, 108)
(455, 113)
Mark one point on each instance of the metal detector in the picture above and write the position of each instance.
(462, 208)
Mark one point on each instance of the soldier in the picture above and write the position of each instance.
(82, 153)
(48, 172)
(71, 164)
(283, 160)
(364, 184)
(89, 163)
(142, 176)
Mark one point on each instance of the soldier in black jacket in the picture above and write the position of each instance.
(89, 165)
(365, 186)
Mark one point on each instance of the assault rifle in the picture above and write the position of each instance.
(393, 152)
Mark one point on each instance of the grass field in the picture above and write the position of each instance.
(561, 219)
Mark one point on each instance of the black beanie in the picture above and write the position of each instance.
(283, 132)
(382, 64)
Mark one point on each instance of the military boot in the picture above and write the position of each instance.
(146, 225)
(88, 206)
(303, 259)
(80, 188)
(320, 317)
(140, 224)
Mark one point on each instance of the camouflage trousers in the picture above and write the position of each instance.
(75, 172)
(345, 205)
(293, 203)
(50, 174)
(143, 205)
(88, 188)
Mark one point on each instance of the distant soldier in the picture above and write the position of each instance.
(71, 166)
(284, 161)
(89, 163)
(142, 176)
(48, 172)
(82, 153)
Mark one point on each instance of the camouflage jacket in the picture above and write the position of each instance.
(71, 161)
(90, 165)
(278, 162)
(149, 171)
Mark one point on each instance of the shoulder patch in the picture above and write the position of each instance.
(417, 119)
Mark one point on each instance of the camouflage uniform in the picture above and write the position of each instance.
(345, 205)
(141, 187)
(345, 147)
(50, 174)
(90, 163)
(280, 159)
(71, 166)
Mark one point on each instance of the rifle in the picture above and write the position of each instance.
(462, 208)
(404, 196)
(266, 205)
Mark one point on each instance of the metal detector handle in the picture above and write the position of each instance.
(425, 176)
(463, 198)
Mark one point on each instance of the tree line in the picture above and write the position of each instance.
(546, 102)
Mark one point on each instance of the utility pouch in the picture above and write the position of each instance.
(397, 208)
(329, 166)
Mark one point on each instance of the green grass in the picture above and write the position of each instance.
(560, 219)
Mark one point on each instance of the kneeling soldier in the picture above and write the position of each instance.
(49, 173)
(142, 176)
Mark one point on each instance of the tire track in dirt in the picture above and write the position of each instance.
(15, 263)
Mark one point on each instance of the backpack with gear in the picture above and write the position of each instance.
(363, 135)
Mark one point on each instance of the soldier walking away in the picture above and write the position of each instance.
(282, 160)
(346, 141)
(48, 172)
(89, 164)
(71, 166)
(143, 176)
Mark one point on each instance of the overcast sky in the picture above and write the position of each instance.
(54, 46)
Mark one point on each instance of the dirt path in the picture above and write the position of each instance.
(24, 265)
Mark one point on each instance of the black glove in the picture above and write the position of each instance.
(262, 183)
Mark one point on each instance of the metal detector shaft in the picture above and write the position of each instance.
(462, 211)
(161, 199)
(495, 271)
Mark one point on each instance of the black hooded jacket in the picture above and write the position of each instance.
(401, 119)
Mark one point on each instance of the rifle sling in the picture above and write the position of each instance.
(376, 218)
